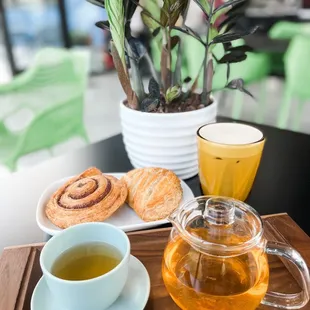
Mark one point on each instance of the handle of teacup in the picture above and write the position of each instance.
(289, 301)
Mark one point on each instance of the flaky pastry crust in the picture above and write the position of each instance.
(154, 193)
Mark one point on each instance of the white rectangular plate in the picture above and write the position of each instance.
(125, 218)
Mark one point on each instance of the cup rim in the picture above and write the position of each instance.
(228, 144)
(79, 282)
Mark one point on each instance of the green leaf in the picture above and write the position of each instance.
(218, 14)
(149, 104)
(130, 8)
(156, 32)
(228, 21)
(233, 58)
(189, 32)
(228, 37)
(149, 21)
(171, 11)
(178, 9)
(137, 48)
(238, 84)
(164, 13)
(204, 5)
(243, 48)
(192, 31)
(105, 25)
(136, 78)
(99, 3)
(215, 58)
(213, 33)
(229, 9)
(173, 93)
(115, 10)
(229, 4)
(239, 9)
(154, 90)
(174, 41)
(227, 46)
(152, 7)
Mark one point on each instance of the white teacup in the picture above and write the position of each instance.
(94, 294)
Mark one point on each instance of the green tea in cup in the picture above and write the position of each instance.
(86, 261)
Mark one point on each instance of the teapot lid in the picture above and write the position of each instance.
(219, 225)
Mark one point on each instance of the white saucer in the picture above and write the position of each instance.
(134, 296)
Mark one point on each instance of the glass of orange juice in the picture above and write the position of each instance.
(229, 155)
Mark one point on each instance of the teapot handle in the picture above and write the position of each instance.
(289, 301)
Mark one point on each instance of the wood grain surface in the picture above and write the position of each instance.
(20, 270)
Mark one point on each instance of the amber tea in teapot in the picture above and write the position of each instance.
(216, 257)
(197, 281)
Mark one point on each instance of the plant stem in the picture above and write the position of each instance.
(163, 62)
(177, 76)
(152, 68)
(185, 13)
(198, 75)
(205, 95)
(169, 61)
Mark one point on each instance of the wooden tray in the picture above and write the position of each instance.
(20, 270)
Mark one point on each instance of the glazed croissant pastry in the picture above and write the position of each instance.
(89, 197)
(154, 193)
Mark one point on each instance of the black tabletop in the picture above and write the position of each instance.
(282, 183)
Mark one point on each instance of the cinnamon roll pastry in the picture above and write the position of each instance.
(89, 197)
(154, 193)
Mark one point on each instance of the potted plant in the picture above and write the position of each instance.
(160, 117)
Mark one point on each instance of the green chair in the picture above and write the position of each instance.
(52, 90)
(285, 30)
(297, 64)
(255, 68)
(282, 30)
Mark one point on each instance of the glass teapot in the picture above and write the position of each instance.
(216, 258)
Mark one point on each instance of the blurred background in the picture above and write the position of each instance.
(32, 24)
(28, 88)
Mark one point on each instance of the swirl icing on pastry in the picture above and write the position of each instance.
(83, 193)
(90, 197)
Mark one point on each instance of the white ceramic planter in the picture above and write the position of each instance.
(165, 140)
